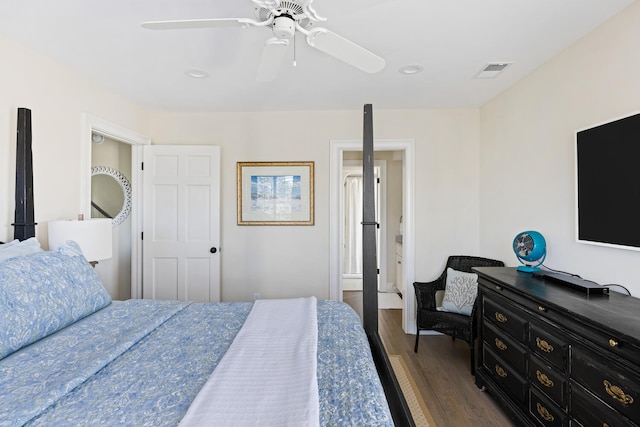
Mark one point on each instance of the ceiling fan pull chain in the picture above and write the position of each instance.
(294, 50)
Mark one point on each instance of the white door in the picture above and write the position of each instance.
(181, 223)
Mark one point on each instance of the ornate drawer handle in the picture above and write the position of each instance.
(541, 308)
(498, 288)
(613, 343)
(501, 372)
(501, 317)
(544, 412)
(543, 345)
(544, 379)
(501, 345)
(617, 393)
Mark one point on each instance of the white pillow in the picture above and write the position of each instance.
(461, 290)
(9, 244)
(16, 248)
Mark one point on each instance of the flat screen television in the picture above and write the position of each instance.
(608, 183)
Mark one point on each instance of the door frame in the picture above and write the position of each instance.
(336, 229)
(92, 124)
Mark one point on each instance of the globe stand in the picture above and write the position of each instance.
(528, 269)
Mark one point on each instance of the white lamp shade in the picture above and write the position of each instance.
(92, 235)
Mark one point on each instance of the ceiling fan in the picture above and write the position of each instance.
(285, 18)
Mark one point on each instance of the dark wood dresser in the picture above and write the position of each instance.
(554, 356)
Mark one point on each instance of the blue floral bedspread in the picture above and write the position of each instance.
(141, 363)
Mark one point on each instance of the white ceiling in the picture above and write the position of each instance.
(452, 39)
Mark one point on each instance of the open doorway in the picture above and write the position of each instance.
(352, 236)
(110, 183)
(401, 152)
(387, 179)
(93, 125)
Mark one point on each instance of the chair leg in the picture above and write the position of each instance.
(415, 349)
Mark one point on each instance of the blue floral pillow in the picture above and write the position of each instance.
(43, 292)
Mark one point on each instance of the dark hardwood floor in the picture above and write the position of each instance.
(441, 371)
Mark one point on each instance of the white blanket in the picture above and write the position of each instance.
(268, 377)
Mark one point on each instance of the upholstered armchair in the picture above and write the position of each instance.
(430, 294)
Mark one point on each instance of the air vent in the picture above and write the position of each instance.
(492, 69)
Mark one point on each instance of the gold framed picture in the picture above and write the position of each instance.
(275, 193)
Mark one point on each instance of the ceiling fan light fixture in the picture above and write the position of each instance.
(284, 27)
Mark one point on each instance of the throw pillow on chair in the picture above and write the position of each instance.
(460, 292)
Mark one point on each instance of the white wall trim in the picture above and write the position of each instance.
(337, 149)
(92, 124)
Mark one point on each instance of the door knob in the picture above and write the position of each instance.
(213, 250)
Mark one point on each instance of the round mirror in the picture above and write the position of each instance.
(110, 194)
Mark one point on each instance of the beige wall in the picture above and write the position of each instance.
(57, 98)
(527, 157)
(293, 261)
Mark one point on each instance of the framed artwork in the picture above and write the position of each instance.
(275, 193)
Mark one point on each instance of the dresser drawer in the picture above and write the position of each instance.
(615, 385)
(545, 411)
(623, 347)
(503, 374)
(502, 315)
(549, 380)
(505, 347)
(588, 410)
(548, 345)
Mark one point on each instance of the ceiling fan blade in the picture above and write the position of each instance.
(272, 56)
(196, 23)
(345, 50)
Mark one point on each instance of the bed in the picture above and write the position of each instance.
(71, 356)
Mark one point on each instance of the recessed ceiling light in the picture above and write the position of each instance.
(411, 69)
(492, 69)
(197, 73)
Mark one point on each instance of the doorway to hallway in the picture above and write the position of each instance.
(403, 152)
